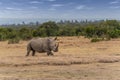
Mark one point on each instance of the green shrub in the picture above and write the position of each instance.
(13, 41)
(108, 38)
(25, 33)
(2, 37)
(114, 33)
(96, 39)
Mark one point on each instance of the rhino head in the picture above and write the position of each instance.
(53, 44)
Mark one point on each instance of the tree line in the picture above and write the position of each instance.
(97, 30)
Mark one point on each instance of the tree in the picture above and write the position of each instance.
(50, 28)
(25, 33)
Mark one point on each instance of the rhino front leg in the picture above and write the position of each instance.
(50, 53)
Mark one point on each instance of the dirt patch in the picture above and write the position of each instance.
(109, 59)
(56, 60)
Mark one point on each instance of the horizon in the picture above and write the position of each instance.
(17, 11)
(10, 21)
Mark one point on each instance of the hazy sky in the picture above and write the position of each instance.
(62, 9)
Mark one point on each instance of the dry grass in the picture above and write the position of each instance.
(77, 59)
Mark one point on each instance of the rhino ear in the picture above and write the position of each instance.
(55, 38)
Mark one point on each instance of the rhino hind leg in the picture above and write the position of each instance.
(28, 52)
(28, 49)
(33, 52)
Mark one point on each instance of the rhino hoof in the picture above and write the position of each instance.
(26, 55)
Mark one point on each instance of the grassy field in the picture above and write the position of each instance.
(77, 59)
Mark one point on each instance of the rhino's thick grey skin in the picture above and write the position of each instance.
(42, 45)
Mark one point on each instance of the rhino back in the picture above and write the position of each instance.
(39, 45)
